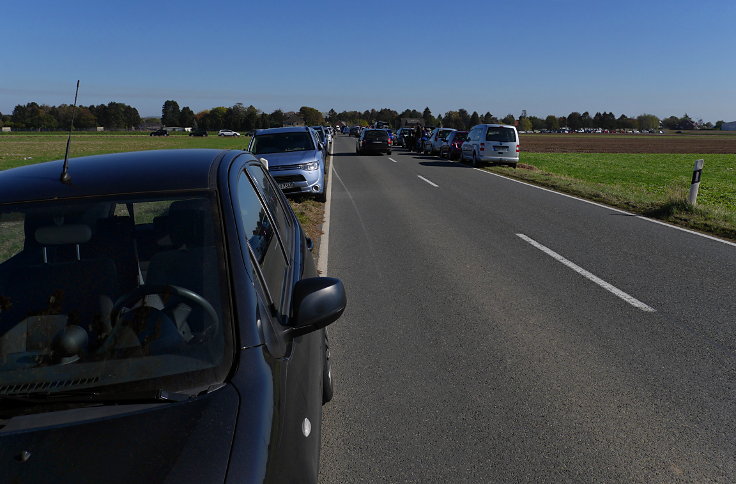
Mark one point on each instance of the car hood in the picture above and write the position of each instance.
(181, 442)
(290, 157)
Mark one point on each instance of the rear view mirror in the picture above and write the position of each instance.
(316, 302)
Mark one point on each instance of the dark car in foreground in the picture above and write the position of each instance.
(373, 141)
(159, 328)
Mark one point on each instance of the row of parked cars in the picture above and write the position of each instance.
(483, 143)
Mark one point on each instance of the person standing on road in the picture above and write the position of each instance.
(417, 137)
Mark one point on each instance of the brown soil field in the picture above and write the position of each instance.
(617, 143)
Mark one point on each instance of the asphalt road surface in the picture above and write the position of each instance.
(497, 332)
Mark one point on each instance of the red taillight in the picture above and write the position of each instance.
(517, 148)
(389, 141)
(482, 146)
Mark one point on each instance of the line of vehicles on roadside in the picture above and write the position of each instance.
(483, 143)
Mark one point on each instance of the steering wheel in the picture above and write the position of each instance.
(170, 303)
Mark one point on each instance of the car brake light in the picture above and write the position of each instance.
(482, 146)
(389, 141)
(517, 148)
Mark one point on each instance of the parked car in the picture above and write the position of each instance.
(373, 141)
(159, 328)
(227, 132)
(355, 131)
(323, 138)
(159, 132)
(198, 132)
(494, 143)
(452, 146)
(435, 140)
(295, 159)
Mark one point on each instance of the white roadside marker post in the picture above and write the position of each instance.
(697, 171)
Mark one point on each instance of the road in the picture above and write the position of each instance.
(498, 332)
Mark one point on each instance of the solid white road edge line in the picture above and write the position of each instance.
(324, 241)
(436, 186)
(393, 160)
(682, 229)
(618, 292)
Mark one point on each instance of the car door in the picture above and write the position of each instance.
(273, 242)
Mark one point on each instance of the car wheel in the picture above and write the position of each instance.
(327, 383)
(388, 152)
(321, 197)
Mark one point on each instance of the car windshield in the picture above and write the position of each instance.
(376, 134)
(501, 135)
(125, 293)
(459, 136)
(281, 142)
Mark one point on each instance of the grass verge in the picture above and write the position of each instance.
(654, 185)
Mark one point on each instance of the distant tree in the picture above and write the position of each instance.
(464, 118)
(719, 124)
(686, 122)
(215, 118)
(586, 120)
(276, 119)
(672, 122)
(552, 123)
(170, 113)
(263, 121)
(331, 116)
(186, 117)
(625, 122)
(509, 119)
(488, 118)
(647, 121)
(251, 118)
(429, 120)
(574, 121)
(538, 124)
(474, 119)
(311, 116)
(525, 124)
(562, 122)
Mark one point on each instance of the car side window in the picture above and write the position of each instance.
(260, 234)
(271, 197)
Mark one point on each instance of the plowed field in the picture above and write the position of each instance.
(616, 143)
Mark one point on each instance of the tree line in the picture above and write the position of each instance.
(120, 116)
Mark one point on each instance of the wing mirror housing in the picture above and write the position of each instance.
(264, 162)
(316, 302)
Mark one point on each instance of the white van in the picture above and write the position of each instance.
(493, 143)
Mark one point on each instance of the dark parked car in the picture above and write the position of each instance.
(373, 140)
(198, 132)
(159, 132)
(452, 146)
(158, 328)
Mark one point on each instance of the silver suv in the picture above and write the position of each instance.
(493, 143)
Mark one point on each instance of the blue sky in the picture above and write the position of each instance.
(548, 57)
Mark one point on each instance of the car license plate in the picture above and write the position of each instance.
(286, 185)
(501, 148)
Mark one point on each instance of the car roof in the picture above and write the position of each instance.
(117, 173)
(291, 129)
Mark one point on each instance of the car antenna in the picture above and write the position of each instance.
(65, 178)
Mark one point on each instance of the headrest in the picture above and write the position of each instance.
(189, 223)
(63, 234)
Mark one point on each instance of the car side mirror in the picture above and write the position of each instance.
(264, 162)
(316, 302)
(321, 146)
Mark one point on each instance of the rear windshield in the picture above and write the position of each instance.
(281, 142)
(460, 136)
(444, 133)
(501, 135)
(377, 134)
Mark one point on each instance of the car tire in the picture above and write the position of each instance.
(328, 386)
(321, 197)
(388, 152)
